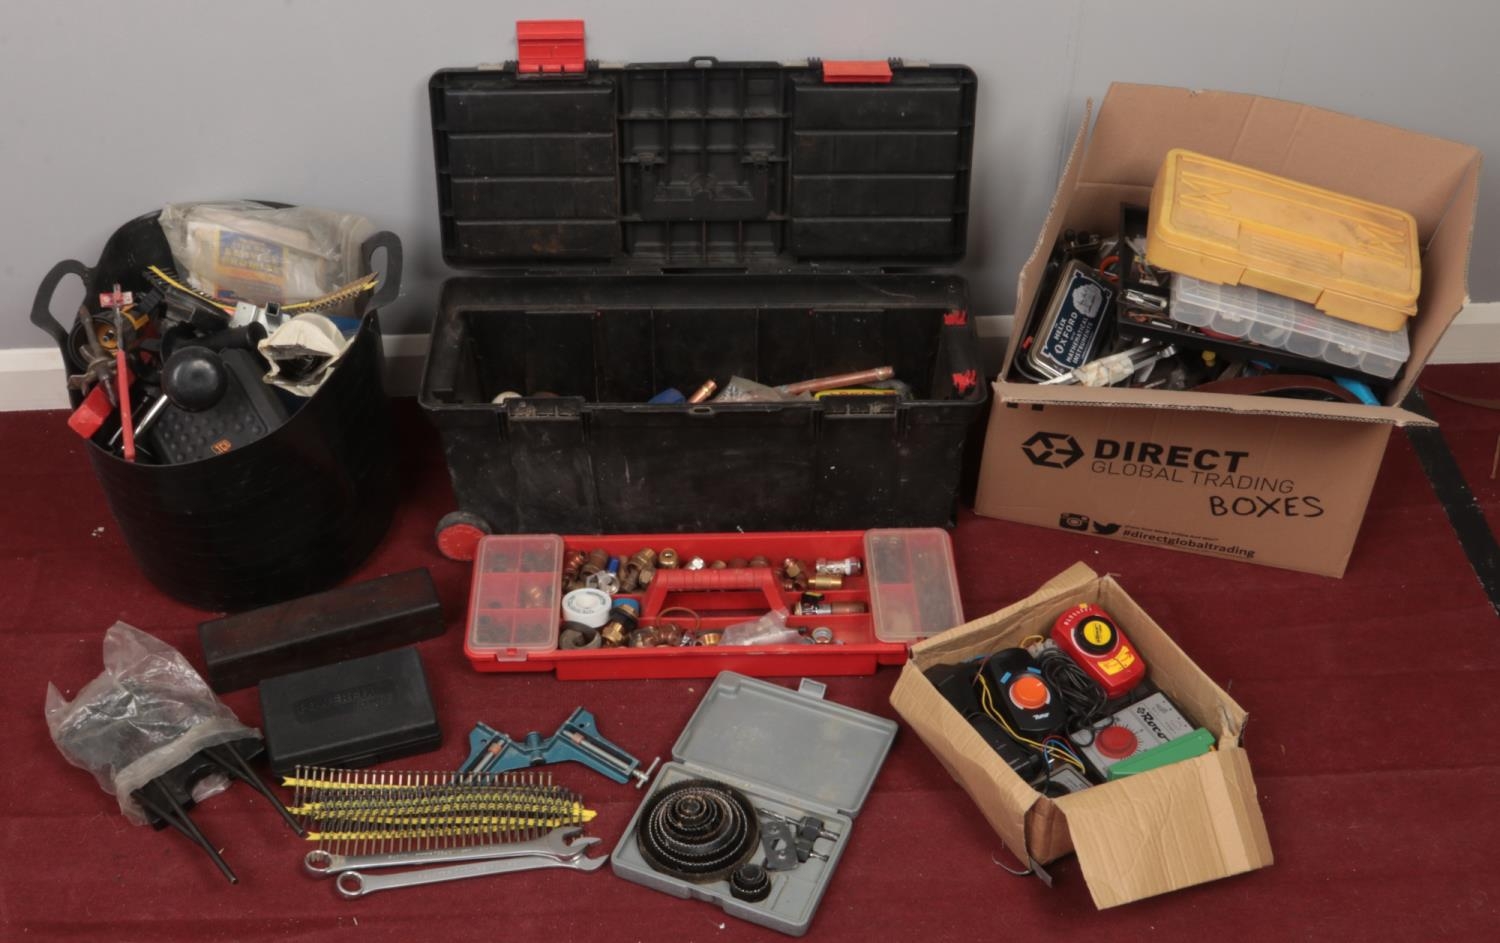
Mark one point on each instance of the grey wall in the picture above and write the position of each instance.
(323, 101)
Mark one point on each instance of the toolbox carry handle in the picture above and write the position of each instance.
(41, 305)
(705, 197)
(680, 581)
(390, 278)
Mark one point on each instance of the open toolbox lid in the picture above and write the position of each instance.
(554, 159)
(793, 741)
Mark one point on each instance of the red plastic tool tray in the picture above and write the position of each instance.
(515, 598)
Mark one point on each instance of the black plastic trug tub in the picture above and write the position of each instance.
(289, 514)
(666, 224)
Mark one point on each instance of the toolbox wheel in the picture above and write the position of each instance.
(459, 533)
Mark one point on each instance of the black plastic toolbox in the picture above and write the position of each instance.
(655, 226)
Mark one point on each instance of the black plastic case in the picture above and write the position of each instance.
(349, 714)
(660, 225)
(346, 622)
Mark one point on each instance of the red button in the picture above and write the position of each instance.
(1116, 742)
(1028, 692)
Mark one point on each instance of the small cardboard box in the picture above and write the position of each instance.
(1180, 825)
(1275, 481)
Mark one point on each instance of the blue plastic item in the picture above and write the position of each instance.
(578, 740)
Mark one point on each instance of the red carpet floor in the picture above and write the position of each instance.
(1374, 739)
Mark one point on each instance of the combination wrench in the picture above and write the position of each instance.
(353, 884)
(557, 843)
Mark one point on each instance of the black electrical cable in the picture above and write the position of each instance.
(1084, 697)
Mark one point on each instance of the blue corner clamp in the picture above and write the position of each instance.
(578, 740)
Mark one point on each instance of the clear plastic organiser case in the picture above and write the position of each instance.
(1286, 324)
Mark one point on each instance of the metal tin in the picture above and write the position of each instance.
(1074, 326)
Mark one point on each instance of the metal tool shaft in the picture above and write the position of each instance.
(354, 884)
(555, 844)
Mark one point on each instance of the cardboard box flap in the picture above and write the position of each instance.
(1173, 672)
(1184, 824)
(1002, 798)
(1138, 124)
(1445, 275)
(1112, 397)
(1031, 272)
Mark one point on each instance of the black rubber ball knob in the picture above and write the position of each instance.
(194, 379)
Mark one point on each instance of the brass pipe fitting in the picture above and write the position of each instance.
(571, 564)
(623, 620)
(630, 573)
(646, 637)
(597, 560)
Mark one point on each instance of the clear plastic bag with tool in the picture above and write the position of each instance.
(742, 390)
(769, 629)
(249, 251)
(148, 712)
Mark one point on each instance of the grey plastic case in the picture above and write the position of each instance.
(791, 753)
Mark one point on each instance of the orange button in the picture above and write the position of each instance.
(1028, 692)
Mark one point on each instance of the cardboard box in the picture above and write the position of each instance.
(1274, 481)
(1180, 825)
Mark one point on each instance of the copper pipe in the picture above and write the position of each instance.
(842, 379)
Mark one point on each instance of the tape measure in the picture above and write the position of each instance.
(1089, 636)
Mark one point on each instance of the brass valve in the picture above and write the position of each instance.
(623, 620)
(630, 573)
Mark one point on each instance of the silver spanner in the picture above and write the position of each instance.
(353, 884)
(557, 843)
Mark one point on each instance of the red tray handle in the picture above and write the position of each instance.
(678, 581)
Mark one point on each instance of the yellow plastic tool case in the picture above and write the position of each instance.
(1225, 223)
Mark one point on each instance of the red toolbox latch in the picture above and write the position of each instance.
(855, 71)
(548, 46)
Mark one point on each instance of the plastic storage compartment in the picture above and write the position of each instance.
(1225, 223)
(514, 598)
(668, 224)
(1289, 325)
(291, 513)
(913, 584)
(792, 754)
(504, 635)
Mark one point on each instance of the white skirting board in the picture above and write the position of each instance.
(31, 377)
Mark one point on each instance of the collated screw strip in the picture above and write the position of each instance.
(373, 811)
